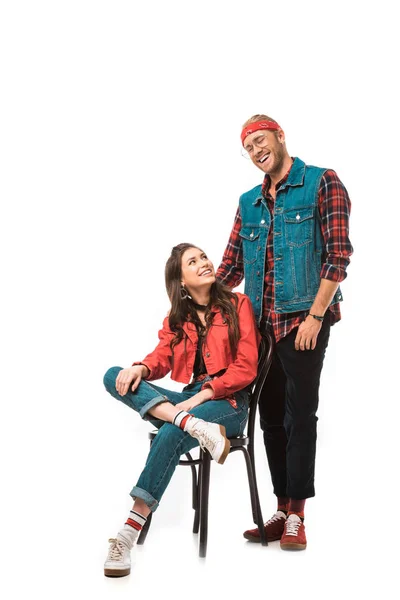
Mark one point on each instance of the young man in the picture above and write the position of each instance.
(290, 243)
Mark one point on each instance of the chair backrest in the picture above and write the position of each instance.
(264, 362)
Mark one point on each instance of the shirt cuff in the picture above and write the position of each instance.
(332, 273)
(218, 387)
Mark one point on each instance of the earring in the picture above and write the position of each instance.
(184, 293)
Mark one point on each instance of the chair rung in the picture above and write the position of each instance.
(190, 463)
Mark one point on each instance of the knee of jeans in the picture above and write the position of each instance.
(110, 377)
(170, 435)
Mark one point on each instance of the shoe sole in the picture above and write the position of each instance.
(117, 572)
(292, 546)
(256, 540)
(225, 453)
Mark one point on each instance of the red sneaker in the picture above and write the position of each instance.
(294, 535)
(273, 529)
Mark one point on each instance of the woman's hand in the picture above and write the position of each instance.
(307, 333)
(196, 400)
(127, 376)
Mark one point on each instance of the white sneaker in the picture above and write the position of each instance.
(118, 563)
(211, 436)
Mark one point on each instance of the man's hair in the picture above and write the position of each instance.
(255, 118)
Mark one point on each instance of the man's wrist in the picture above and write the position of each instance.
(317, 317)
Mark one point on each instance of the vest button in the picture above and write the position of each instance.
(262, 222)
(258, 297)
(252, 234)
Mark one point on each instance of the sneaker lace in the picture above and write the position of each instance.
(116, 550)
(273, 519)
(206, 439)
(292, 527)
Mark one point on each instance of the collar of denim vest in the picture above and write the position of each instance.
(295, 178)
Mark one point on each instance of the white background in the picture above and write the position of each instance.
(120, 126)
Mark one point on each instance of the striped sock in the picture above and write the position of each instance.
(136, 520)
(130, 532)
(296, 507)
(181, 418)
(283, 504)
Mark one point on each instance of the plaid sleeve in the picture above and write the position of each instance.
(334, 208)
(230, 271)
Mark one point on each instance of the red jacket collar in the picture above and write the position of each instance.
(190, 328)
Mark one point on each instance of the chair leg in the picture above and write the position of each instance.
(196, 521)
(254, 497)
(204, 490)
(250, 450)
(145, 530)
(195, 500)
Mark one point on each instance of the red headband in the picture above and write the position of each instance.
(256, 126)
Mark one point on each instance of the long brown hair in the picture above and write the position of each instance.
(182, 309)
(256, 118)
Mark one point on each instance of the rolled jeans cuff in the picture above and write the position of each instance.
(137, 492)
(150, 404)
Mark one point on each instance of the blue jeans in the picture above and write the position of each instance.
(171, 442)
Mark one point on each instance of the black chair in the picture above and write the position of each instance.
(245, 443)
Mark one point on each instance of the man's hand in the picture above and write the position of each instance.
(306, 338)
(196, 400)
(127, 376)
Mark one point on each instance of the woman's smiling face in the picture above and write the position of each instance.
(197, 270)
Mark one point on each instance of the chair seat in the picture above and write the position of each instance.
(236, 442)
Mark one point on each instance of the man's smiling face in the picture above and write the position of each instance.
(266, 150)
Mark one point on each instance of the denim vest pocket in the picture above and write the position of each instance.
(299, 223)
(249, 236)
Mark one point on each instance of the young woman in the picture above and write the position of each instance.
(209, 339)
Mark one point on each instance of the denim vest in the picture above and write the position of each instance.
(299, 249)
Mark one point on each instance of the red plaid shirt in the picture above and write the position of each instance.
(334, 208)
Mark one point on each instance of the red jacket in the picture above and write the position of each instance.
(216, 353)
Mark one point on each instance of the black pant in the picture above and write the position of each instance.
(288, 407)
